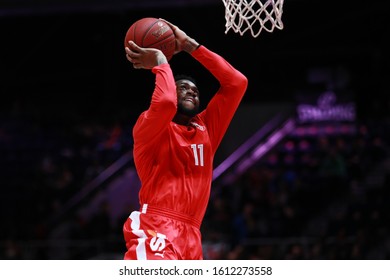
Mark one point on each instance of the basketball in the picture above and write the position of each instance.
(151, 32)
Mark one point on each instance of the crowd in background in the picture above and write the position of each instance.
(314, 197)
(43, 165)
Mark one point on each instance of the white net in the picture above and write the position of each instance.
(253, 15)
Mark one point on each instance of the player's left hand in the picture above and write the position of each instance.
(183, 41)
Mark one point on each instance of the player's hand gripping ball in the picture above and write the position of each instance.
(151, 32)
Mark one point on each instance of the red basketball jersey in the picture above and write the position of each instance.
(175, 162)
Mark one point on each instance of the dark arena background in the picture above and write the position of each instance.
(303, 172)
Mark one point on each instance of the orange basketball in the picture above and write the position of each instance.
(151, 32)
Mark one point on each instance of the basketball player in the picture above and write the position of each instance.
(174, 147)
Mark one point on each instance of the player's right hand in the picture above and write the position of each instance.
(144, 58)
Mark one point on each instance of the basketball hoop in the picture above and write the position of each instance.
(253, 15)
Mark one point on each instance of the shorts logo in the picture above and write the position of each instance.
(157, 243)
(160, 255)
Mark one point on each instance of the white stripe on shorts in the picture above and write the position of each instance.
(135, 226)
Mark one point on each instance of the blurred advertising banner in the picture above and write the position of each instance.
(325, 107)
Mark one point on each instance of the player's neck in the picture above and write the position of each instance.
(181, 119)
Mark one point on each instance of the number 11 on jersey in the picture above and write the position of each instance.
(197, 149)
